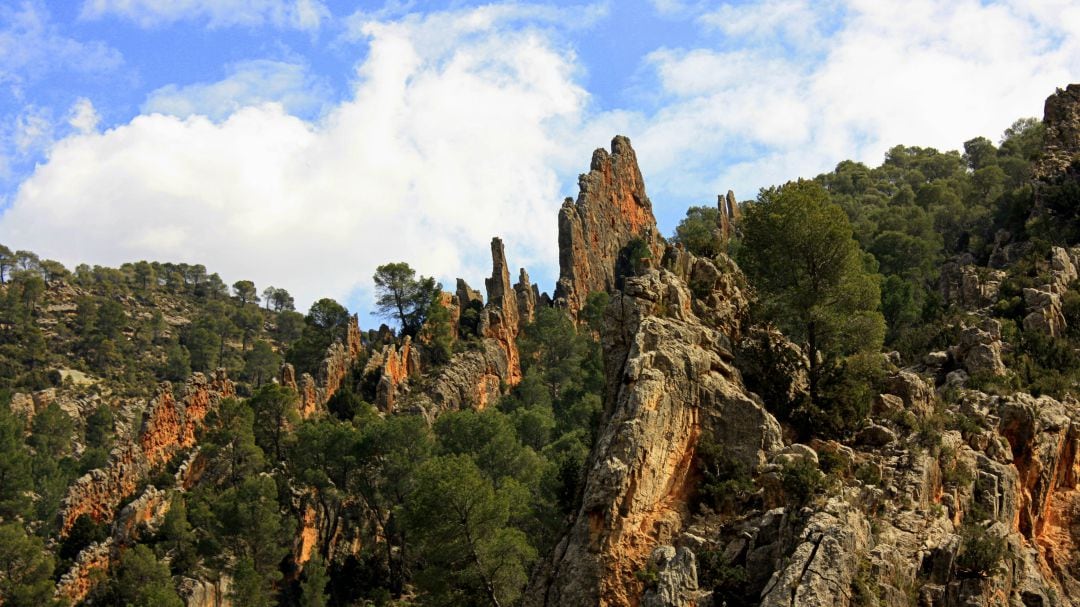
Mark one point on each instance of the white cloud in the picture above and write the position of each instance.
(293, 14)
(869, 74)
(247, 83)
(82, 116)
(455, 133)
(33, 130)
(31, 46)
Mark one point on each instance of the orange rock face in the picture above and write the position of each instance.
(333, 370)
(168, 427)
(501, 320)
(611, 210)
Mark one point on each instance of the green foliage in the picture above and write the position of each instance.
(326, 322)
(177, 537)
(699, 231)
(27, 568)
(437, 337)
(142, 581)
(244, 290)
(400, 296)
(798, 250)
(632, 260)
(275, 413)
(313, 586)
(16, 473)
(461, 524)
(981, 551)
(84, 531)
(802, 481)
(725, 482)
(99, 427)
(728, 582)
(261, 363)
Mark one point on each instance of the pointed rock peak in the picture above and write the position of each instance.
(611, 210)
(499, 288)
(729, 214)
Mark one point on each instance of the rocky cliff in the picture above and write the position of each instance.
(168, 426)
(611, 210)
(988, 515)
(670, 381)
(1061, 150)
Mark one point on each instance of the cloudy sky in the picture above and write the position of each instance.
(300, 143)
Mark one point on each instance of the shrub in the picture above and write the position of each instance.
(801, 481)
(980, 552)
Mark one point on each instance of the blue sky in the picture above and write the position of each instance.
(300, 143)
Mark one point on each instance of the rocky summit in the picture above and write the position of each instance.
(858, 389)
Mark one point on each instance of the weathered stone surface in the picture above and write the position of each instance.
(398, 365)
(168, 426)
(668, 383)
(875, 436)
(500, 319)
(1044, 311)
(979, 350)
(917, 394)
(528, 297)
(333, 369)
(611, 210)
(729, 215)
(472, 379)
(1061, 146)
(820, 570)
(91, 564)
(964, 285)
(205, 593)
(676, 579)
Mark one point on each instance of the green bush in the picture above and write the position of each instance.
(802, 480)
(980, 552)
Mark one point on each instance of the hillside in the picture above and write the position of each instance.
(855, 389)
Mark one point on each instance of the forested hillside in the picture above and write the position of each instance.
(854, 389)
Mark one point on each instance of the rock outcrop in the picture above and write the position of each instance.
(500, 319)
(339, 359)
(1061, 147)
(395, 365)
(670, 381)
(1044, 307)
(729, 215)
(967, 286)
(528, 298)
(169, 426)
(611, 210)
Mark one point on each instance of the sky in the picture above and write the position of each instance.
(302, 143)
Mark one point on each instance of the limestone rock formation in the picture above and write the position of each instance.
(669, 382)
(968, 287)
(1061, 147)
(528, 298)
(333, 369)
(169, 425)
(729, 215)
(611, 210)
(472, 379)
(979, 350)
(500, 319)
(396, 365)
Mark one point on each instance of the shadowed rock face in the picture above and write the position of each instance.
(611, 210)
